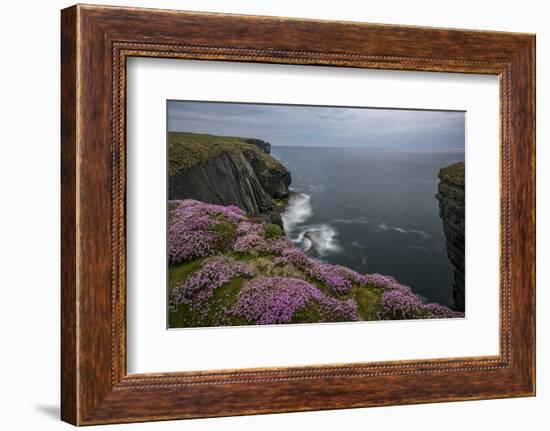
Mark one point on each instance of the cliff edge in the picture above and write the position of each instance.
(227, 171)
(451, 195)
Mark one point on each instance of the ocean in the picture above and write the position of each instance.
(372, 210)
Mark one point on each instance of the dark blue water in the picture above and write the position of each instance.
(372, 211)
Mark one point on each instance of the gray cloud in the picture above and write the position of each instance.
(293, 125)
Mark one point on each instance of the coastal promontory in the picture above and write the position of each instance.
(227, 171)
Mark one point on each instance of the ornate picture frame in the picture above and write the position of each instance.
(96, 41)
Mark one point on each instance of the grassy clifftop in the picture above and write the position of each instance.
(453, 174)
(188, 149)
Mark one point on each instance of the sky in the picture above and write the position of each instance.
(319, 126)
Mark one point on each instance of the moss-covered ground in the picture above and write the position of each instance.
(188, 149)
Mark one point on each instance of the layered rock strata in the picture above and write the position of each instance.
(241, 174)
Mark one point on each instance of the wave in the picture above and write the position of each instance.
(316, 188)
(356, 220)
(384, 227)
(319, 239)
(313, 238)
(298, 211)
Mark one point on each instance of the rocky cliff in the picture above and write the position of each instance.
(227, 171)
(451, 194)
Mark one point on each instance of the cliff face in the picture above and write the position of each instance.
(273, 177)
(451, 194)
(228, 173)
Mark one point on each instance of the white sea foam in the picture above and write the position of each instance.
(316, 188)
(298, 211)
(384, 227)
(356, 220)
(318, 238)
(423, 234)
(324, 239)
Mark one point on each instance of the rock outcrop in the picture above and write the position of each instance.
(239, 174)
(262, 145)
(451, 195)
(274, 177)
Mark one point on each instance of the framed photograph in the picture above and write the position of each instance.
(264, 215)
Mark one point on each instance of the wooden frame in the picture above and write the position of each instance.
(96, 41)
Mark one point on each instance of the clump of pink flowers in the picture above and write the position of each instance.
(251, 239)
(191, 228)
(214, 273)
(185, 244)
(272, 300)
(251, 243)
(292, 256)
(337, 278)
(280, 245)
(399, 302)
(384, 281)
(440, 311)
(248, 228)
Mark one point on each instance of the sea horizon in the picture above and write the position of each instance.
(403, 150)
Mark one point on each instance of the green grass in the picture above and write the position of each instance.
(181, 317)
(281, 202)
(272, 231)
(368, 301)
(225, 232)
(177, 273)
(311, 313)
(222, 297)
(453, 174)
(188, 149)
